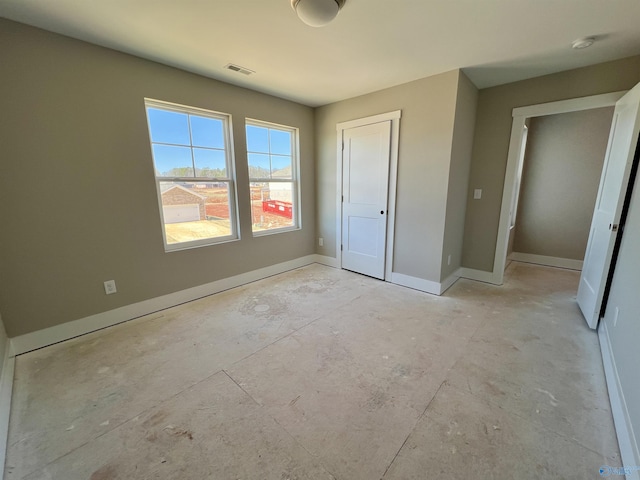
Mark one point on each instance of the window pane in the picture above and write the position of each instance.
(280, 142)
(168, 127)
(257, 139)
(206, 132)
(195, 210)
(172, 161)
(272, 205)
(259, 166)
(280, 166)
(210, 163)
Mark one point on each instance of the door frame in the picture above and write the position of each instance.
(520, 115)
(394, 117)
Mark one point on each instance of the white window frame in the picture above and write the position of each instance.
(295, 175)
(230, 180)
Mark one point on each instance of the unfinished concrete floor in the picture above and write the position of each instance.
(320, 373)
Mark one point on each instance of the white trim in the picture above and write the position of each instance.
(624, 429)
(393, 188)
(48, 336)
(502, 240)
(571, 105)
(359, 122)
(6, 388)
(339, 146)
(416, 283)
(546, 260)
(449, 281)
(478, 275)
(423, 285)
(394, 117)
(327, 261)
(520, 115)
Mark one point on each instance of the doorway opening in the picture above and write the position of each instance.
(557, 180)
(517, 144)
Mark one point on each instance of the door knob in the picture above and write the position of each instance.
(381, 212)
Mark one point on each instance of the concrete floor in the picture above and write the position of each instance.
(320, 373)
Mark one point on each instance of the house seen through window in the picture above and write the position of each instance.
(194, 174)
(272, 154)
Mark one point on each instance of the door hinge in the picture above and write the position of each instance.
(342, 198)
(340, 247)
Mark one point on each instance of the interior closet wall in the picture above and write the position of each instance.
(562, 168)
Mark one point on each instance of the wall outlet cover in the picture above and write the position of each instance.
(110, 287)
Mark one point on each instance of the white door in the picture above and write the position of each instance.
(365, 187)
(613, 184)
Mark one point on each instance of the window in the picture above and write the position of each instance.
(272, 153)
(194, 173)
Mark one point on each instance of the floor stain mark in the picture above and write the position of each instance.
(178, 432)
(155, 419)
(553, 401)
(107, 472)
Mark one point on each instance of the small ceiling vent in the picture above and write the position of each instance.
(238, 68)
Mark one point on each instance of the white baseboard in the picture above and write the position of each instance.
(6, 387)
(48, 336)
(449, 281)
(328, 261)
(545, 260)
(627, 440)
(421, 284)
(478, 275)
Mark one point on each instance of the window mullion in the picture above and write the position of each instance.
(193, 158)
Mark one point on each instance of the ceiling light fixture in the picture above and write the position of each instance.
(581, 43)
(317, 13)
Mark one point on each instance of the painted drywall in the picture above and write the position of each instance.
(562, 170)
(3, 344)
(426, 132)
(492, 134)
(624, 303)
(461, 148)
(78, 202)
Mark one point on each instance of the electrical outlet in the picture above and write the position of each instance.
(110, 287)
(449, 260)
(477, 194)
(321, 241)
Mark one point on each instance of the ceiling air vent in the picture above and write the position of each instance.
(238, 68)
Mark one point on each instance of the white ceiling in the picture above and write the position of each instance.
(372, 44)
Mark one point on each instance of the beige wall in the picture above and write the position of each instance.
(461, 147)
(78, 203)
(562, 169)
(491, 141)
(426, 130)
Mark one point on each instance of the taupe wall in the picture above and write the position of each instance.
(426, 130)
(491, 141)
(78, 203)
(461, 148)
(562, 169)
